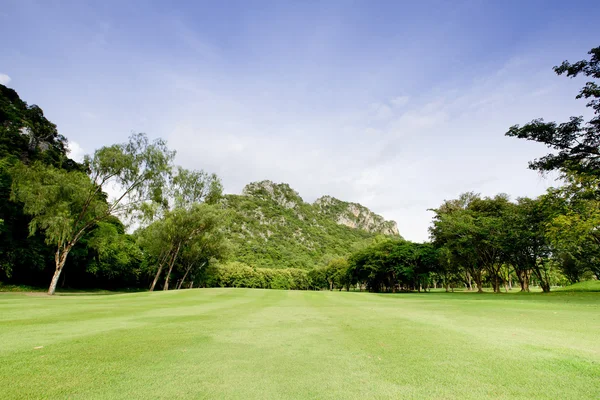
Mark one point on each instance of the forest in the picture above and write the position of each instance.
(128, 217)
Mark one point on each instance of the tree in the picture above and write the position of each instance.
(490, 228)
(67, 204)
(426, 262)
(336, 273)
(470, 229)
(210, 245)
(453, 228)
(577, 143)
(180, 222)
(448, 270)
(393, 264)
(525, 241)
(195, 233)
(115, 254)
(574, 229)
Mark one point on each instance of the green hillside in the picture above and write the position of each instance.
(271, 226)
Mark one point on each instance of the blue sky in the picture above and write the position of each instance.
(395, 105)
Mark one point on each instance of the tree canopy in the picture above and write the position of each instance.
(576, 142)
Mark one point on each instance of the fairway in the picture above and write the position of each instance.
(259, 344)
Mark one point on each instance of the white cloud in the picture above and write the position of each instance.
(4, 79)
(75, 151)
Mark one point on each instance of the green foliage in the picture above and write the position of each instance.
(68, 204)
(240, 275)
(393, 265)
(189, 187)
(271, 227)
(27, 135)
(573, 228)
(194, 233)
(576, 143)
(491, 237)
(116, 254)
(59, 201)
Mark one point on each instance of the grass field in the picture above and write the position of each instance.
(586, 286)
(260, 344)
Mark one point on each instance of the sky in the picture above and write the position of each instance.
(397, 105)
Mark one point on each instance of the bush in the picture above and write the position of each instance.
(237, 274)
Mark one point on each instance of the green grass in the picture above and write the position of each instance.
(586, 286)
(259, 344)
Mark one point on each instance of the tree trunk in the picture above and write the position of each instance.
(60, 257)
(470, 282)
(496, 284)
(545, 286)
(478, 281)
(166, 287)
(160, 267)
(171, 264)
(184, 276)
(544, 283)
(161, 264)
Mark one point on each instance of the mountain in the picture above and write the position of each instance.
(271, 226)
(355, 216)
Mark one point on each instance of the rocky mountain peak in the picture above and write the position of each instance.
(355, 216)
(280, 193)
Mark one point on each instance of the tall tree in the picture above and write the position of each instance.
(210, 246)
(525, 242)
(180, 221)
(574, 228)
(577, 143)
(454, 229)
(67, 204)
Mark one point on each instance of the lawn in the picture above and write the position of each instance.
(260, 344)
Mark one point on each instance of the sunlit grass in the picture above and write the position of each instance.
(587, 286)
(246, 344)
